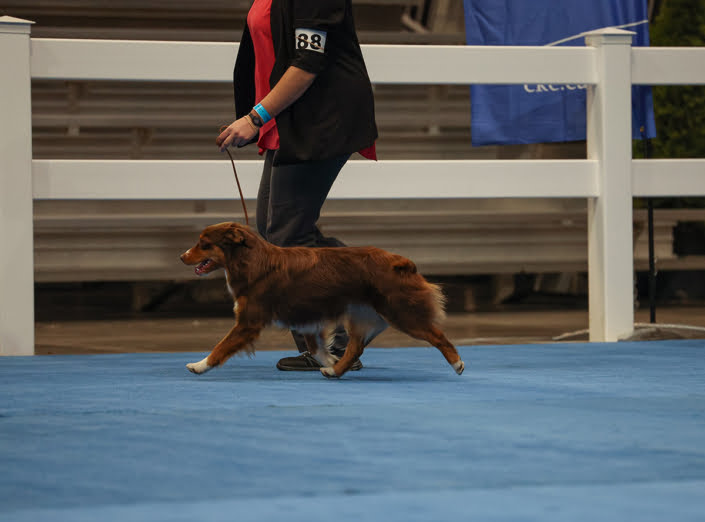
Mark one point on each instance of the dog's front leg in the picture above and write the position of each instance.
(240, 337)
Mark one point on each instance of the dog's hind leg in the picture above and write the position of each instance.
(240, 337)
(317, 346)
(433, 335)
(363, 324)
(352, 353)
(373, 328)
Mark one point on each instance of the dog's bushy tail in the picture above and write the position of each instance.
(435, 298)
(439, 302)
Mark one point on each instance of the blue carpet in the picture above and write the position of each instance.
(608, 432)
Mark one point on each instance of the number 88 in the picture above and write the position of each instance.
(303, 42)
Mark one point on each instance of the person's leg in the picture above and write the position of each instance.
(296, 194)
(262, 210)
(262, 218)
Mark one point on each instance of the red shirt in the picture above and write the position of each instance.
(261, 31)
(258, 21)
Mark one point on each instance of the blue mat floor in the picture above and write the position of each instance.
(593, 432)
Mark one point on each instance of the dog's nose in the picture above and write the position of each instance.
(183, 257)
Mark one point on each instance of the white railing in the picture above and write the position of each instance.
(609, 178)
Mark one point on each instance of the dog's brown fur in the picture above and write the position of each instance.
(314, 289)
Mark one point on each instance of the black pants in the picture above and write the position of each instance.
(289, 204)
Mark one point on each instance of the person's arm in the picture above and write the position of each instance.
(288, 89)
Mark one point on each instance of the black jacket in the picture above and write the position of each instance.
(335, 115)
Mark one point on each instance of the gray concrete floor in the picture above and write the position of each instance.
(200, 334)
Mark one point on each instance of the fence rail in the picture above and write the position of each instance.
(608, 179)
(70, 59)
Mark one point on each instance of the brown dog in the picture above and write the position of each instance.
(312, 290)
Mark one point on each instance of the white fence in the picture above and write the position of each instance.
(609, 178)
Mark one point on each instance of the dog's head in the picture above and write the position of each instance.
(216, 245)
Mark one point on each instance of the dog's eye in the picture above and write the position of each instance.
(205, 246)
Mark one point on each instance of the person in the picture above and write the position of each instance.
(302, 93)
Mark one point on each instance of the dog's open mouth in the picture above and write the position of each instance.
(204, 267)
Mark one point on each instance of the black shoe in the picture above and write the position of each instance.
(305, 362)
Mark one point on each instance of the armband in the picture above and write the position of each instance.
(262, 112)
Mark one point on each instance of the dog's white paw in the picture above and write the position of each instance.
(199, 367)
(459, 367)
(329, 372)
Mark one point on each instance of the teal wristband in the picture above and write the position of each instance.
(262, 113)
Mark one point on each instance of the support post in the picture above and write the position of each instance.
(16, 226)
(610, 244)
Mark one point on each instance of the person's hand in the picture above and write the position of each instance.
(238, 133)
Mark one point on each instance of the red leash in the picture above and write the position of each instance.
(237, 180)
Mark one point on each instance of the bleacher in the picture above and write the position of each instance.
(180, 121)
(137, 241)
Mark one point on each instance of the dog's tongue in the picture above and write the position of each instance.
(202, 267)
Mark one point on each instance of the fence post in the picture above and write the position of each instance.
(16, 226)
(610, 244)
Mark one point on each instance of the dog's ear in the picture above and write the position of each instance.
(236, 236)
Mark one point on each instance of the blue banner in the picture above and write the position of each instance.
(507, 114)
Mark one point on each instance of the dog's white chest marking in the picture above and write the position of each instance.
(230, 288)
(232, 293)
